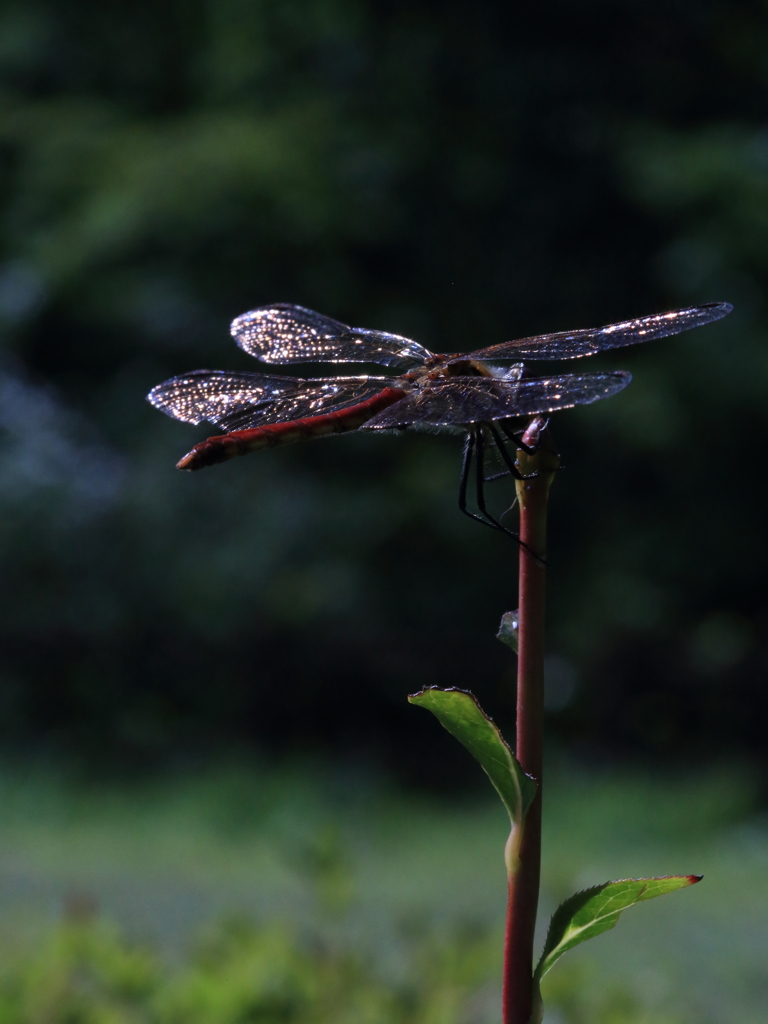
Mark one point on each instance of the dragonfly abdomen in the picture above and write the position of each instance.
(243, 442)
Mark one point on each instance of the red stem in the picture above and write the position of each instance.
(524, 883)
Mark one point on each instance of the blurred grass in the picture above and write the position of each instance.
(365, 903)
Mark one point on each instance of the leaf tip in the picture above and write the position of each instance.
(693, 879)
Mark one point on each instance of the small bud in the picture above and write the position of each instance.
(508, 630)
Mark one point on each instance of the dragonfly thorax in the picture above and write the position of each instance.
(440, 367)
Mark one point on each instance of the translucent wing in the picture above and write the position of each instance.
(291, 334)
(459, 400)
(237, 401)
(586, 342)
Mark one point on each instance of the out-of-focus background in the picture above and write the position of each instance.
(203, 678)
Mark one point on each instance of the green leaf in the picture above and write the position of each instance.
(596, 910)
(459, 712)
(508, 630)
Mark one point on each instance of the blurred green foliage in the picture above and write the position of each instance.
(459, 174)
(341, 899)
(396, 899)
(87, 973)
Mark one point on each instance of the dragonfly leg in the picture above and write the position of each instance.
(466, 460)
(505, 454)
(502, 450)
(470, 450)
(474, 446)
(480, 479)
(480, 488)
(511, 469)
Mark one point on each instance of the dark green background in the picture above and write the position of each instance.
(461, 173)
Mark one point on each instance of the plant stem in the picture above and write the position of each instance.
(532, 493)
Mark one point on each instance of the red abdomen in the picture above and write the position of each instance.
(241, 442)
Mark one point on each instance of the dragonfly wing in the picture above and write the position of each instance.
(238, 401)
(283, 333)
(586, 342)
(460, 400)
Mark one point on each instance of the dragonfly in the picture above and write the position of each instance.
(490, 394)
